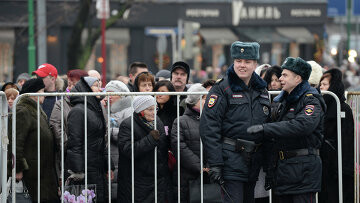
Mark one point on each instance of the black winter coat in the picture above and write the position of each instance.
(189, 149)
(299, 126)
(230, 108)
(75, 159)
(168, 114)
(329, 149)
(144, 146)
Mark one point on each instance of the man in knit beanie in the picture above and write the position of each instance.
(298, 135)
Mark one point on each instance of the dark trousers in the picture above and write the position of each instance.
(299, 198)
(239, 192)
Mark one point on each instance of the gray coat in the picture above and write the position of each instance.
(55, 126)
(119, 111)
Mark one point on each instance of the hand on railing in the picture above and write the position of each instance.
(206, 170)
(111, 175)
(155, 134)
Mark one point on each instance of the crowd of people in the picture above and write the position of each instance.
(252, 142)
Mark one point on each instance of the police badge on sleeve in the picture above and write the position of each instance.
(309, 109)
(212, 100)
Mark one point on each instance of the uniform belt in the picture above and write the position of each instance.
(241, 145)
(298, 152)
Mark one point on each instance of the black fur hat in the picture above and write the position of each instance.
(32, 86)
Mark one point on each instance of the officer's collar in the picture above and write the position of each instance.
(237, 85)
(298, 91)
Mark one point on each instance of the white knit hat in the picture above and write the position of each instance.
(316, 73)
(143, 102)
(193, 99)
(116, 86)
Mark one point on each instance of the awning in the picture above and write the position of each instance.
(264, 35)
(218, 36)
(297, 34)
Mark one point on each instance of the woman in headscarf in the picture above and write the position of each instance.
(332, 81)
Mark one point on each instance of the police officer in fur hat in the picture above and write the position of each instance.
(233, 104)
(298, 133)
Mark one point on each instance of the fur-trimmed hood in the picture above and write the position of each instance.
(237, 85)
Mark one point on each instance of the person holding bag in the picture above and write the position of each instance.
(26, 145)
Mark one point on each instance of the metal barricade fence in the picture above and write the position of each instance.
(353, 100)
(3, 144)
(131, 94)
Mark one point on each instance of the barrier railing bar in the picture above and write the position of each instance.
(109, 146)
(178, 144)
(132, 154)
(38, 147)
(85, 152)
(62, 150)
(4, 145)
(155, 156)
(201, 161)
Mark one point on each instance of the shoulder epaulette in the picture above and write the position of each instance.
(308, 95)
(219, 80)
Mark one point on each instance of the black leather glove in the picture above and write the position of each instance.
(215, 174)
(257, 131)
(155, 134)
(268, 182)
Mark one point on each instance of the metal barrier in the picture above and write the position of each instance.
(353, 99)
(132, 94)
(178, 94)
(4, 141)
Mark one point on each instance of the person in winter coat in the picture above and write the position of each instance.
(144, 82)
(167, 105)
(120, 109)
(26, 145)
(146, 139)
(96, 152)
(11, 95)
(189, 141)
(232, 105)
(297, 134)
(332, 81)
(272, 76)
(55, 118)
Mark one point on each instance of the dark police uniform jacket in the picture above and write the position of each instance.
(299, 126)
(230, 108)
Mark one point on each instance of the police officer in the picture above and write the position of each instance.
(297, 133)
(233, 104)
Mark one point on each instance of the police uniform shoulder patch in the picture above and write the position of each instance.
(212, 100)
(309, 109)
